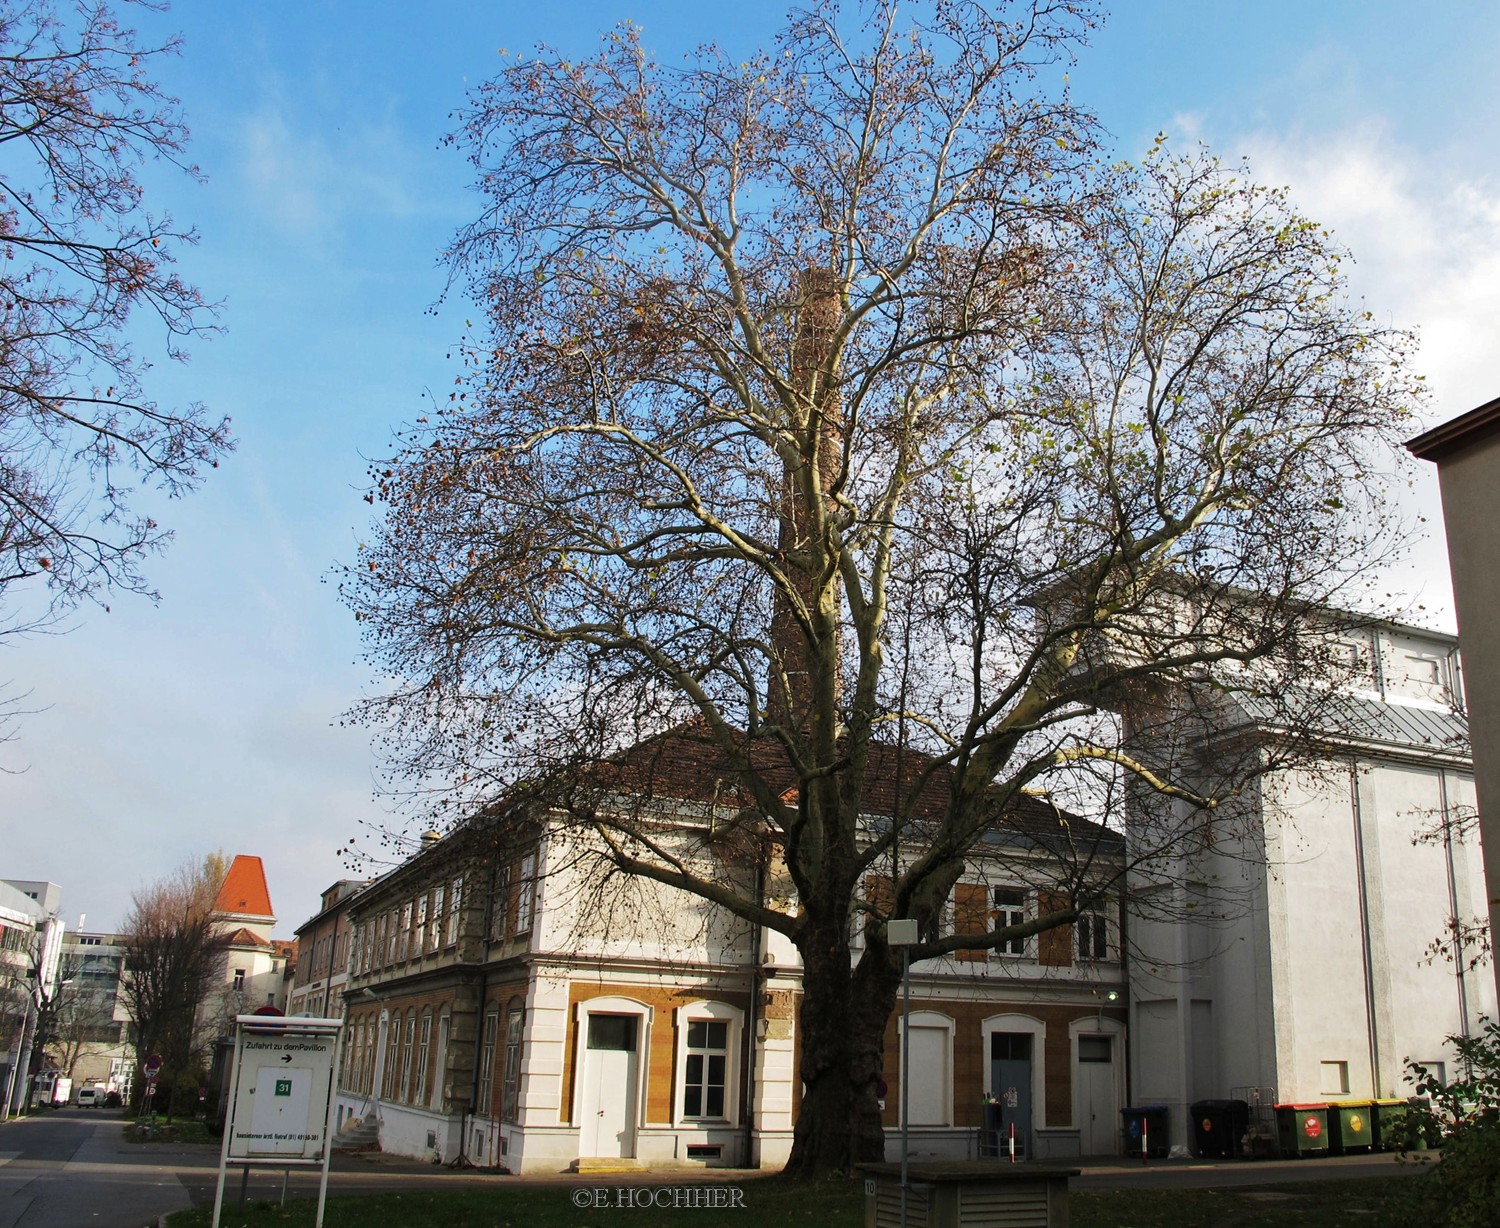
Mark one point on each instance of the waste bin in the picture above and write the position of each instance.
(1390, 1124)
(1219, 1125)
(990, 1146)
(1302, 1129)
(1146, 1130)
(1351, 1126)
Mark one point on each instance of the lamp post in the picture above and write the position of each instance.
(40, 1006)
(903, 933)
(22, 1048)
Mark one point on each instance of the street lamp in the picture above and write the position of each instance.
(903, 933)
(10, 1076)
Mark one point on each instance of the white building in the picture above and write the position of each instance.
(1298, 958)
(31, 940)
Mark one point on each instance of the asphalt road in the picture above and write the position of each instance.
(71, 1168)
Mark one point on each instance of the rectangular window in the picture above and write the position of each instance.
(1010, 909)
(239, 980)
(1093, 936)
(1335, 1078)
(1436, 1070)
(435, 930)
(404, 930)
(1095, 1049)
(706, 1068)
(420, 943)
(455, 902)
(527, 898)
(487, 1064)
(500, 904)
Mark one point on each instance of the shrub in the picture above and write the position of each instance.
(1463, 1116)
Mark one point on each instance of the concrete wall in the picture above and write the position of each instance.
(1470, 483)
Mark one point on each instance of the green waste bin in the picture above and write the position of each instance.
(1302, 1129)
(1390, 1124)
(1351, 1126)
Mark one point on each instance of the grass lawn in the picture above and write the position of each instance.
(836, 1205)
(179, 1130)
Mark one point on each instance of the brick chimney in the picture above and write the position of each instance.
(818, 423)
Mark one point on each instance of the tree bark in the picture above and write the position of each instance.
(841, 1026)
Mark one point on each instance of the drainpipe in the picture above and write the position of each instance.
(1458, 941)
(752, 1039)
(1372, 1027)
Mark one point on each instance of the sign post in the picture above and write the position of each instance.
(280, 1098)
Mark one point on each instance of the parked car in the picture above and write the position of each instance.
(90, 1098)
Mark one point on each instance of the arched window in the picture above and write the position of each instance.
(484, 1108)
(424, 1044)
(511, 1087)
(411, 1032)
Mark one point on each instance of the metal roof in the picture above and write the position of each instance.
(1360, 719)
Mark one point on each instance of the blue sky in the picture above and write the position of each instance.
(210, 721)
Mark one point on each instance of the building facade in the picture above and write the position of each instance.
(321, 966)
(1467, 454)
(506, 1009)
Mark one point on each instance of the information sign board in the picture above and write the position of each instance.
(281, 1101)
(281, 1097)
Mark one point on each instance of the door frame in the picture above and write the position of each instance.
(1038, 1030)
(1097, 1025)
(612, 1006)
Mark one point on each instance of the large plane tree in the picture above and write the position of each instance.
(842, 405)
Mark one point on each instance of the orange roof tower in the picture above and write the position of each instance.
(244, 893)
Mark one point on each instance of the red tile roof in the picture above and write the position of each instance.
(244, 892)
(686, 763)
(243, 937)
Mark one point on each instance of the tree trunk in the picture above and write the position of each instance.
(842, 1031)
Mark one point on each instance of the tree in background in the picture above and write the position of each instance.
(836, 405)
(173, 964)
(82, 1023)
(81, 262)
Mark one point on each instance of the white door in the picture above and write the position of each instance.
(609, 1081)
(1098, 1111)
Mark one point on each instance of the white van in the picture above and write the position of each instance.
(90, 1097)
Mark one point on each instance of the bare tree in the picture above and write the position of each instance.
(835, 412)
(81, 261)
(1465, 941)
(174, 963)
(82, 1024)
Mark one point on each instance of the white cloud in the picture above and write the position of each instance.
(1425, 233)
(308, 181)
(1424, 228)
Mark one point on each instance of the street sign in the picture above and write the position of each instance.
(152, 1065)
(281, 1096)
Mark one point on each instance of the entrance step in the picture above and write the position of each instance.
(607, 1164)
